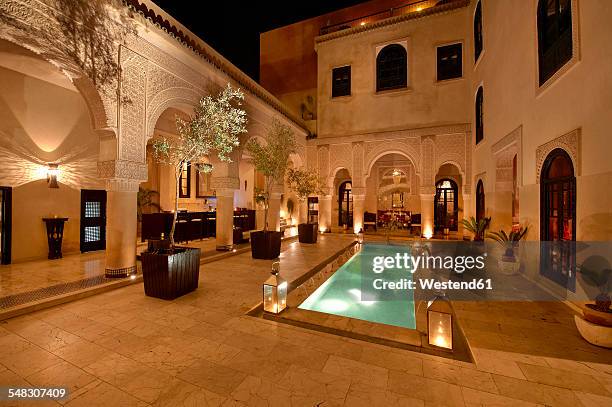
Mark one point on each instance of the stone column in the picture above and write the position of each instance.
(303, 211)
(121, 225)
(358, 205)
(325, 213)
(427, 212)
(467, 212)
(224, 189)
(274, 207)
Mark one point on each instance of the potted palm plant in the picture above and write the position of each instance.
(476, 227)
(271, 160)
(509, 241)
(304, 183)
(170, 271)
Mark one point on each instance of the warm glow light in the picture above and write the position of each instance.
(322, 229)
(419, 8)
(363, 23)
(441, 341)
(428, 232)
(132, 277)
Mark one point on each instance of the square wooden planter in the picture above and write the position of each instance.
(307, 232)
(168, 276)
(265, 245)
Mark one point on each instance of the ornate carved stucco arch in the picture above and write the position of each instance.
(387, 151)
(22, 23)
(102, 108)
(383, 148)
(569, 142)
(165, 99)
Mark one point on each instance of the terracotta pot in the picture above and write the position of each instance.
(597, 317)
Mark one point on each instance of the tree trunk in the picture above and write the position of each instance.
(176, 196)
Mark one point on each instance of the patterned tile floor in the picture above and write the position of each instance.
(121, 348)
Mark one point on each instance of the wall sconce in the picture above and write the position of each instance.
(275, 291)
(52, 173)
(440, 323)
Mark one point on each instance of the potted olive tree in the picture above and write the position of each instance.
(271, 160)
(304, 183)
(170, 271)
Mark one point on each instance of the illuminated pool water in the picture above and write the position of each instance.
(341, 294)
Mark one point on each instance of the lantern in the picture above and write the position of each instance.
(440, 323)
(275, 291)
(360, 236)
(397, 176)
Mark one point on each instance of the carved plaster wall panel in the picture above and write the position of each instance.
(133, 106)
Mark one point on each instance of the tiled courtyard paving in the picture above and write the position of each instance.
(124, 349)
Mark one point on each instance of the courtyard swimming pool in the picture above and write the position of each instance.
(348, 291)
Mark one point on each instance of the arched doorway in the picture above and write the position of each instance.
(558, 198)
(445, 205)
(345, 205)
(480, 201)
(558, 219)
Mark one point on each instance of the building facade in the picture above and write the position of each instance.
(480, 108)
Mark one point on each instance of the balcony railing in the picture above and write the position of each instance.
(411, 7)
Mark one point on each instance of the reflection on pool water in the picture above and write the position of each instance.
(341, 294)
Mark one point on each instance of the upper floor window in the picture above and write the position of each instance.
(477, 31)
(185, 181)
(479, 115)
(449, 64)
(554, 36)
(341, 81)
(392, 68)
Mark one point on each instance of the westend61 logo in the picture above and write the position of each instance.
(459, 264)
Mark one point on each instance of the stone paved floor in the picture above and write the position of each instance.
(122, 349)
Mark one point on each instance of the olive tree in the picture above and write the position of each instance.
(214, 127)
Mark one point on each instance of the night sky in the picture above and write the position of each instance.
(233, 27)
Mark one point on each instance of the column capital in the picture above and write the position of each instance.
(122, 185)
(218, 183)
(123, 169)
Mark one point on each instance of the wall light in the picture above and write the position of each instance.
(52, 173)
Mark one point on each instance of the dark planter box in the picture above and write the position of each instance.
(307, 232)
(168, 276)
(265, 245)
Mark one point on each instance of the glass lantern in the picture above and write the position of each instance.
(440, 323)
(275, 291)
(360, 236)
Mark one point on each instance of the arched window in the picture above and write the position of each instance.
(445, 209)
(554, 36)
(477, 31)
(391, 68)
(480, 201)
(479, 115)
(558, 219)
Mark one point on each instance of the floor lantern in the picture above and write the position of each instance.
(275, 291)
(440, 323)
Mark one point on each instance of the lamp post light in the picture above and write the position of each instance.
(440, 323)
(275, 291)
